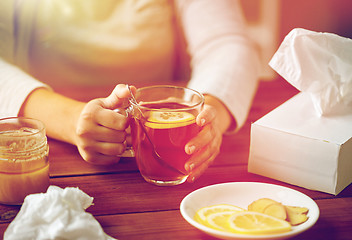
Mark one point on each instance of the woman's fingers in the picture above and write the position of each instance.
(204, 156)
(111, 119)
(118, 97)
(206, 116)
(200, 169)
(101, 131)
(205, 146)
(203, 138)
(98, 158)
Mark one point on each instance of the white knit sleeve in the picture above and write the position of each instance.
(15, 86)
(224, 62)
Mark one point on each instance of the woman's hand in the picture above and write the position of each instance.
(214, 120)
(94, 127)
(100, 131)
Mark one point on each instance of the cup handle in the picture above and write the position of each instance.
(129, 152)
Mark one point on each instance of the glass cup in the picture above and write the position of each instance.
(24, 166)
(163, 121)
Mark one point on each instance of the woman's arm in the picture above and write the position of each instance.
(96, 129)
(224, 61)
(225, 69)
(59, 113)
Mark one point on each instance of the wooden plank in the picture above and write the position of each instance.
(128, 192)
(334, 223)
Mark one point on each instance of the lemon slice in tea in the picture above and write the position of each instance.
(161, 120)
(248, 222)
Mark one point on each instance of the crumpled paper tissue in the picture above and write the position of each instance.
(57, 214)
(319, 64)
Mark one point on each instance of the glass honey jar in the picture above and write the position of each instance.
(24, 165)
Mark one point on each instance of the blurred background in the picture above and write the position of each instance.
(271, 20)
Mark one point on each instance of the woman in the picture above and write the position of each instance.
(58, 42)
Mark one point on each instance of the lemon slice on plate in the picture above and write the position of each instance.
(248, 222)
(163, 120)
(220, 220)
(202, 214)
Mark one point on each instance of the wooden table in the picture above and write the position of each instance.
(129, 208)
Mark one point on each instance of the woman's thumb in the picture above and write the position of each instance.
(117, 98)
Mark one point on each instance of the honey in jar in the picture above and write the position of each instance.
(24, 166)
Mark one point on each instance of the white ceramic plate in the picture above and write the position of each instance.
(242, 194)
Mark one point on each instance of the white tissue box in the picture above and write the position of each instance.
(294, 145)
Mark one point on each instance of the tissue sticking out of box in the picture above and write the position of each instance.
(319, 64)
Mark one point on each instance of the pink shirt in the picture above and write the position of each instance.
(61, 42)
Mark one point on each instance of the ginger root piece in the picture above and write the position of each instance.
(293, 214)
(296, 215)
(276, 210)
(260, 204)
